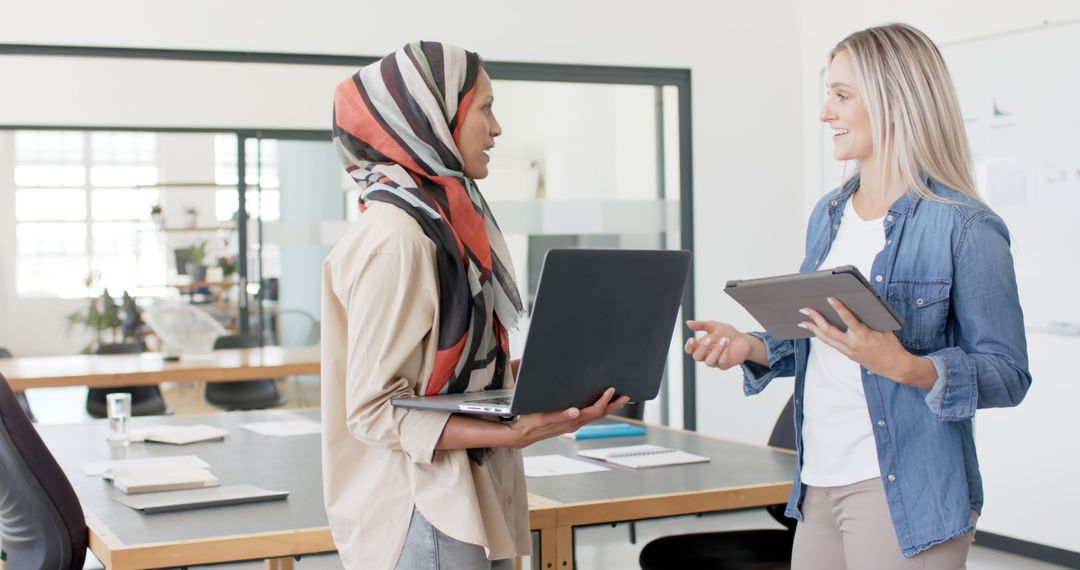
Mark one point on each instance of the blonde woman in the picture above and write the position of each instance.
(887, 475)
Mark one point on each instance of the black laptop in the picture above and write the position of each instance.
(602, 318)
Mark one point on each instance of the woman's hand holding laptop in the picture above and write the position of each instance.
(531, 428)
(463, 432)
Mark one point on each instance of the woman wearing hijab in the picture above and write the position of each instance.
(418, 297)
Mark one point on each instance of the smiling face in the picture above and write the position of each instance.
(845, 112)
(477, 132)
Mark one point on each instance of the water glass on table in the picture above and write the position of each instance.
(118, 407)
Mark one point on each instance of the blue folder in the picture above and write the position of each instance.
(607, 429)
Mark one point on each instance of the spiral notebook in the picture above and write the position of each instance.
(645, 455)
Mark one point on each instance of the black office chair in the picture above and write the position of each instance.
(145, 400)
(41, 520)
(21, 397)
(741, 549)
(245, 394)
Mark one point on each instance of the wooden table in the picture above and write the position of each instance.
(124, 370)
(738, 476)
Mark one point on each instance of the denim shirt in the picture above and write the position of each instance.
(947, 270)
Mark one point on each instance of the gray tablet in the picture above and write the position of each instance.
(775, 301)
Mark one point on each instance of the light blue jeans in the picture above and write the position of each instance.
(428, 548)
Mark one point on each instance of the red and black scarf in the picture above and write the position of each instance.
(395, 131)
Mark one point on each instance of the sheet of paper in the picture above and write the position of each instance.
(179, 462)
(283, 428)
(645, 455)
(552, 465)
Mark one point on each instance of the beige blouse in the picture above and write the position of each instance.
(380, 322)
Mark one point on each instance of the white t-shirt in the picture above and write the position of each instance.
(838, 437)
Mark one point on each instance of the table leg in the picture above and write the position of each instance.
(557, 548)
(564, 539)
(549, 549)
(286, 563)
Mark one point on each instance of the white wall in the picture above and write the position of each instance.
(743, 58)
(1026, 474)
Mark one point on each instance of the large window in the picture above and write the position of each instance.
(261, 172)
(82, 220)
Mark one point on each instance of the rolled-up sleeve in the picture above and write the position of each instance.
(391, 304)
(988, 367)
(781, 354)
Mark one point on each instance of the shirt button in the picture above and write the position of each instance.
(879, 279)
(919, 302)
(834, 202)
(888, 242)
(892, 477)
(890, 217)
(836, 227)
(881, 423)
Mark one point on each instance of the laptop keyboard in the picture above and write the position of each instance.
(493, 401)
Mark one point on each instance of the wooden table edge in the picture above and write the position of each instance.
(128, 379)
(273, 544)
(673, 504)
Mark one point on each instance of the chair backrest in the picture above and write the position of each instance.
(295, 327)
(236, 341)
(121, 348)
(41, 521)
(5, 353)
(783, 435)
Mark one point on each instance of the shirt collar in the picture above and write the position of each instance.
(905, 204)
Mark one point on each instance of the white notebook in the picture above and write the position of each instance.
(645, 455)
(150, 479)
(179, 435)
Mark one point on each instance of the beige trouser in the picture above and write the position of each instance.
(849, 528)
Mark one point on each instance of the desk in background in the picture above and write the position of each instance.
(739, 476)
(124, 370)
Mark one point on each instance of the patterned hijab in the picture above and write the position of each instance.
(395, 130)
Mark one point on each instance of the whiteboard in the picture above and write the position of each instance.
(1020, 96)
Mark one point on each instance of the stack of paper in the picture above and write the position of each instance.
(179, 435)
(638, 456)
(149, 480)
(154, 474)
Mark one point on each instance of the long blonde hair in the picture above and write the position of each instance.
(915, 118)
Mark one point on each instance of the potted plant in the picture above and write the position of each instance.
(157, 215)
(227, 263)
(101, 317)
(196, 267)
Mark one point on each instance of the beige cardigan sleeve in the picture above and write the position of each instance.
(391, 301)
